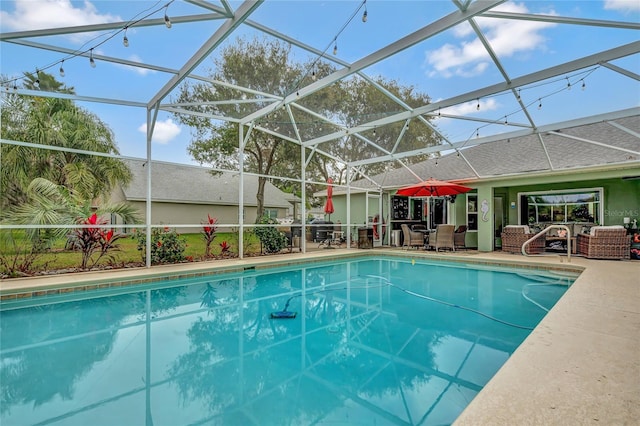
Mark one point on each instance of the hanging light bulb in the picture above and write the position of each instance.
(335, 48)
(436, 161)
(374, 131)
(61, 68)
(506, 122)
(364, 15)
(518, 96)
(313, 74)
(583, 85)
(37, 82)
(125, 40)
(539, 103)
(477, 133)
(91, 61)
(478, 106)
(167, 21)
(568, 83)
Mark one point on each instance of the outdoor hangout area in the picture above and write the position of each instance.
(380, 212)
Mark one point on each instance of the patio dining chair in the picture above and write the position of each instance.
(411, 238)
(459, 237)
(444, 237)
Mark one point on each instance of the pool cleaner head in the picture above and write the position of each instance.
(284, 314)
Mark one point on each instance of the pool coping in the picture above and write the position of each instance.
(26, 288)
(581, 364)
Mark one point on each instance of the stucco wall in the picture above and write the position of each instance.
(195, 214)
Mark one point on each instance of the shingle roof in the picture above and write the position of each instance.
(178, 183)
(591, 145)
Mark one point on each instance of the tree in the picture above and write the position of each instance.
(364, 102)
(267, 67)
(56, 122)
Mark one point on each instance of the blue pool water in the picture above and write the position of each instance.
(374, 342)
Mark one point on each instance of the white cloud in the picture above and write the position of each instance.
(622, 5)
(469, 108)
(35, 15)
(163, 132)
(137, 70)
(506, 37)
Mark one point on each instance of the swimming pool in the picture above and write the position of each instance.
(374, 341)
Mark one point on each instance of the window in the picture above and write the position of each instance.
(582, 205)
(271, 213)
(472, 212)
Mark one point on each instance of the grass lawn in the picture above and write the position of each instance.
(58, 258)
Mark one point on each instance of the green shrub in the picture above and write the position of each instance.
(271, 239)
(167, 246)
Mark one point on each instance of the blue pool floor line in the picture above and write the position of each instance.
(286, 314)
(453, 305)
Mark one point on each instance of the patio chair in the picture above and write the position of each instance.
(411, 238)
(605, 242)
(459, 237)
(338, 234)
(514, 236)
(444, 237)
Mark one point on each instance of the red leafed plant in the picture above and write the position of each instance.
(209, 234)
(93, 239)
(224, 248)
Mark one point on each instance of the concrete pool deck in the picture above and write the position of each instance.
(581, 365)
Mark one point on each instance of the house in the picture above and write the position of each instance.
(185, 194)
(587, 171)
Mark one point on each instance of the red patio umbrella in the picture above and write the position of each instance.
(433, 188)
(328, 207)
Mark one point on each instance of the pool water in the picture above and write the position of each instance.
(375, 341)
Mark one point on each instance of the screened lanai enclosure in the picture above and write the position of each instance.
(202, 114)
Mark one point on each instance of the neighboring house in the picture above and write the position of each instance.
(183, 194)
(554, 177)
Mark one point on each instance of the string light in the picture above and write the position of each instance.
(477, 133)
(568, 84)
(37, 82)
(583, 85)
(374, 131)
(92, 62)
(506, 122)
(478, 106)
(539, 103)
(335, 48)
(364, 15)
(167, 21)
(518, 96)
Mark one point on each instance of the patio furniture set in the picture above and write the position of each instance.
(444, 236)
(595, 242)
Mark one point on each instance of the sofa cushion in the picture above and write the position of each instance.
(595, 228)
(525, 228)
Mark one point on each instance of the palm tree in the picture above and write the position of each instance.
(60, 123)
(51, 204)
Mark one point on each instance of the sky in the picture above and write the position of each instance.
(448, 64)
